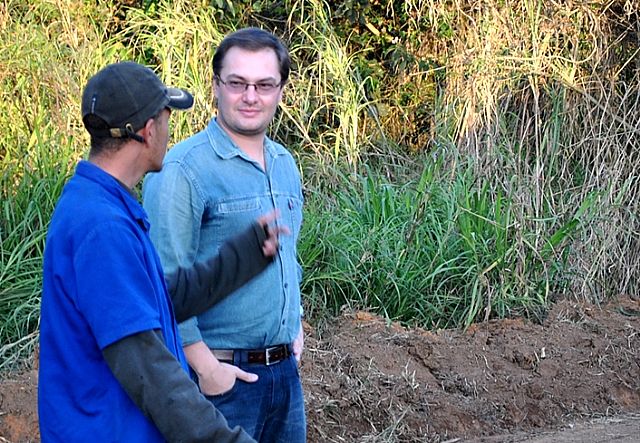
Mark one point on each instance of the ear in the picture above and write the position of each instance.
(281, 92)
(149, 130)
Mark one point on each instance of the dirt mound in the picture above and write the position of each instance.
(366, 380)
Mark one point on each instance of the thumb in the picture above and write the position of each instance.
(246, 376)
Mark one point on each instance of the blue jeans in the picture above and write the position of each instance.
(272, 408)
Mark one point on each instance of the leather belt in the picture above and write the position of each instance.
(268, 356)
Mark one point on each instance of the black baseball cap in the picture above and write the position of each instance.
(125, 95)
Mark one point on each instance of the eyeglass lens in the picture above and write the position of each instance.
(241, 86)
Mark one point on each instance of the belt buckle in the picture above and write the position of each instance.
(267, 355)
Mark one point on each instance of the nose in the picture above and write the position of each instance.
(250, 93)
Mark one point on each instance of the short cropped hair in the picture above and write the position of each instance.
(102, 145)
(107, 145)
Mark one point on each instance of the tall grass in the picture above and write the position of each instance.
(45, 58)
(486, 166)
(331, 107)
(546, 99)
(25, 216)
(432, 252)
(179, 38)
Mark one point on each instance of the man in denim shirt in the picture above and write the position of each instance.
(245, 350)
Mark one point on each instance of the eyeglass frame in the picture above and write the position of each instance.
(256, 86)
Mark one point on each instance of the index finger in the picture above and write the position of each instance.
(270, 216)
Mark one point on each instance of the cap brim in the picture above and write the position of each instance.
(179, 99)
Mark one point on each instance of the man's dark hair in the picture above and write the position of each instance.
(106, 145)
(253, 39)
(102, 145)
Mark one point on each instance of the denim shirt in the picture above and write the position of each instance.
(207, 191)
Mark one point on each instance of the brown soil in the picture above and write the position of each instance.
(573, 378)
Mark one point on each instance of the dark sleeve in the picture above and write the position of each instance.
(159, 386)
(194, 290)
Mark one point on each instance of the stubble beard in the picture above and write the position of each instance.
(240, 129)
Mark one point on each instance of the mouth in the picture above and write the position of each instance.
(249, 112)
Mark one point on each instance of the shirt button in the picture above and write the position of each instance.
(286, 285)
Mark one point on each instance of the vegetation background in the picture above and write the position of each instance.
(462, 160)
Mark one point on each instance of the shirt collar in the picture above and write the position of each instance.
(94, 173)
(226, 148)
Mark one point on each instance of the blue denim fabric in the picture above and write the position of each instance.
(271, 410)
(207, 191)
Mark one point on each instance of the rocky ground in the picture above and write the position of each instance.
(573, 378)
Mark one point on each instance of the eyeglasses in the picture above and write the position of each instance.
(239, 86)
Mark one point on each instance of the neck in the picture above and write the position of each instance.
(123, 165)
(252, 145)
(254, 150)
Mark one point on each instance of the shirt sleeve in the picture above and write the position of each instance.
(194, 290)
(157, 384)
(175, 226)
(115, 292)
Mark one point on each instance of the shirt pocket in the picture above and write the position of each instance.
(230, 217)
(293, 211)
(235, 206)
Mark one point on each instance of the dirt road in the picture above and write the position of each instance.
(623, 429)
